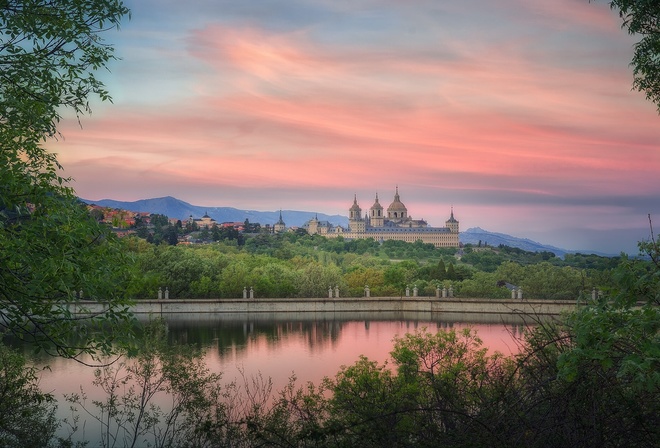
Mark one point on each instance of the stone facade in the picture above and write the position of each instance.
(392, 224)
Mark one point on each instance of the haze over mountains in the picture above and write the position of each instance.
(176, 208)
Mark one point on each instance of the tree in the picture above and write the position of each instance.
(27, 415)
(51, 247)
(451, 273)
(165, 396)
(643, 18)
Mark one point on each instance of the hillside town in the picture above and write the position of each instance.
(157, 228)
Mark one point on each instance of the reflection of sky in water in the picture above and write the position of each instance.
(276, 348)
(314, 349)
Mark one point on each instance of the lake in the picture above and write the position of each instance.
(280, 344)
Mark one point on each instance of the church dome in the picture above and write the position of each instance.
(397, 206)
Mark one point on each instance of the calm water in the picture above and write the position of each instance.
(279, 345)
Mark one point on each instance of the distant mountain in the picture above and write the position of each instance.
(176, 208)
(476, 234)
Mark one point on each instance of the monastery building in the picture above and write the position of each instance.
(391, 224)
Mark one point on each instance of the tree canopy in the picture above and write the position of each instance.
(642, 17)
(51, 247)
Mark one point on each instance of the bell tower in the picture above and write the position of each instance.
(355, 221)
(377, 218)
(452, 223)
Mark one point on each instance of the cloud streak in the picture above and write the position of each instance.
(503, 110)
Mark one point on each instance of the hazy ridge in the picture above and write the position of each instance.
(176, 208)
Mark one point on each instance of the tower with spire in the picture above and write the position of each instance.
(376, 217)
(279, 226)
(452, 223)
(313, 225)
(355, 221)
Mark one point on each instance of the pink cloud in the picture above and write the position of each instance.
(510, 111)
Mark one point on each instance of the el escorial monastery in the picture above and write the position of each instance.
(393, 224)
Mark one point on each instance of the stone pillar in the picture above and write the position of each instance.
(337, 292)
(407, 291)
(437, 292)
(160, 294)
(444, 292)
(245, 292)
(367, 291)
(251, 292)
(80, 294)
(415, 290)
(451, 291)
(330, 292)
(167, 293)
(520, 293)
(513, 293)
(593, 294)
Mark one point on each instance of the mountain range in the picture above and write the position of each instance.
(176, 208)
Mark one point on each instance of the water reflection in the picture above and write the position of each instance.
(230, 332)
(314, 345)
(307, 345)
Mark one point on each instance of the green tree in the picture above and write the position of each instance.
(51, 247)
(642, 18)
(27, 415)
(451, 273)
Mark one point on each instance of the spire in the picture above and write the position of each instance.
(396, 194)
(451, 217)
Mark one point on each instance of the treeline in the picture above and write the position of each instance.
(295, 265)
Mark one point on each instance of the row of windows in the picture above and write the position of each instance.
(447, 240)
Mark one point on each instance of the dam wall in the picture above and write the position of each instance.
(424, 305)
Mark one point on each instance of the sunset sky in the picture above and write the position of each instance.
(517, 113)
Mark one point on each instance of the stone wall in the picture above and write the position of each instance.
(339, 305)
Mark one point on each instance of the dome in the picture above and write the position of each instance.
(397, 205)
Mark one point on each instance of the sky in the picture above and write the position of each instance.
(518, 114)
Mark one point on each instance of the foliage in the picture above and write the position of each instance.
(290, 265)
(593, 379)
(27, 415)
(164, 396)
(641, 18)
(442, 391)
(51, 247)
(590, 379)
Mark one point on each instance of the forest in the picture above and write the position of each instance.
(295, 264)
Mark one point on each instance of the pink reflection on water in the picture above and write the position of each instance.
(310, 350)
(311, 354)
